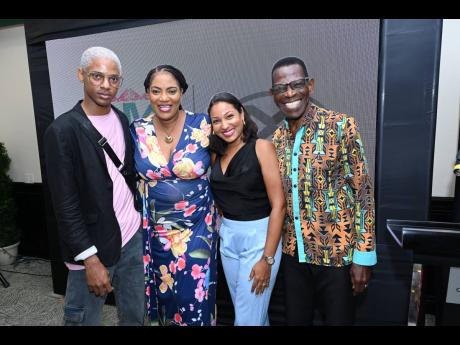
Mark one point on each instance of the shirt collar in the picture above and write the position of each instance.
(307, 117)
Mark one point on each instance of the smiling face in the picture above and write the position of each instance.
(165, 95)
(98, 95)
(293, 103)
(227, 122)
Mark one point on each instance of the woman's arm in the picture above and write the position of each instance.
(268, 160)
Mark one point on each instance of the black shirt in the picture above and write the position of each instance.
(241, 193)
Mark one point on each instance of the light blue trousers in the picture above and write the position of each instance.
(241, 246)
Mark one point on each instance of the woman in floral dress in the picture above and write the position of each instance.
(172, 157)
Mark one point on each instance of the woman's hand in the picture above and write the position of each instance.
(260, 274)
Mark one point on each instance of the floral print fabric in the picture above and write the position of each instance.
(179, 224)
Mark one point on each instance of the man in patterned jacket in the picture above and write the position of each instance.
(329, 232)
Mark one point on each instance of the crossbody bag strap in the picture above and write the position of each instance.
(102, 141)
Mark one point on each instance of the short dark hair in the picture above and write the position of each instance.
(289, 61)
(249, 128)
(176, 73)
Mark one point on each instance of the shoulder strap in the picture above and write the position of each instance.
(102, 141)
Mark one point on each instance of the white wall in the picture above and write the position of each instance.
(17, 120)
(448, 118)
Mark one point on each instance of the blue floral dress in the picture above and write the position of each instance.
(179, 224)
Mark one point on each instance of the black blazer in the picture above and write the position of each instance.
(81, 188)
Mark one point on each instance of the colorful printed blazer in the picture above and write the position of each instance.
(330, 217)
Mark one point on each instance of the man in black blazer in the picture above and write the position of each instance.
(92, 187)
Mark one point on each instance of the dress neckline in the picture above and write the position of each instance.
(168, 159)
(225, 173)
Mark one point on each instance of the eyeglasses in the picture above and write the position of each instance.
(294, 85)
(97, 78)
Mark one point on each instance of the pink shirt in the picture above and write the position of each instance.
(123, 204)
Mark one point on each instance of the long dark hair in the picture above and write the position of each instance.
(176, 73)
(250, 129)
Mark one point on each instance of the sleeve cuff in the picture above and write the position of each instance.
(365, 258)
(86, 254)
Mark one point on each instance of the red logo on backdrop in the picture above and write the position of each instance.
(130, 95)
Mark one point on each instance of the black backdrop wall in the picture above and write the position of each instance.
(408, 82)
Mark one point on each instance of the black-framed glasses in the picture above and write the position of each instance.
(294, 85)
(97, 78)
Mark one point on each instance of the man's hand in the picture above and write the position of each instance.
(360, 276)
(97, 276)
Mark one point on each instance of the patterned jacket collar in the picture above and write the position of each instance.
(309, 116)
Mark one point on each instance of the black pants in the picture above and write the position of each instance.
(308, 287)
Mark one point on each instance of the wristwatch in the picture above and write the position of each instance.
(269, 259)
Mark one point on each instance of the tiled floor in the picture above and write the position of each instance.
(30, 301)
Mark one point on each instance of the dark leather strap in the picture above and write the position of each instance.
(102, 141)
